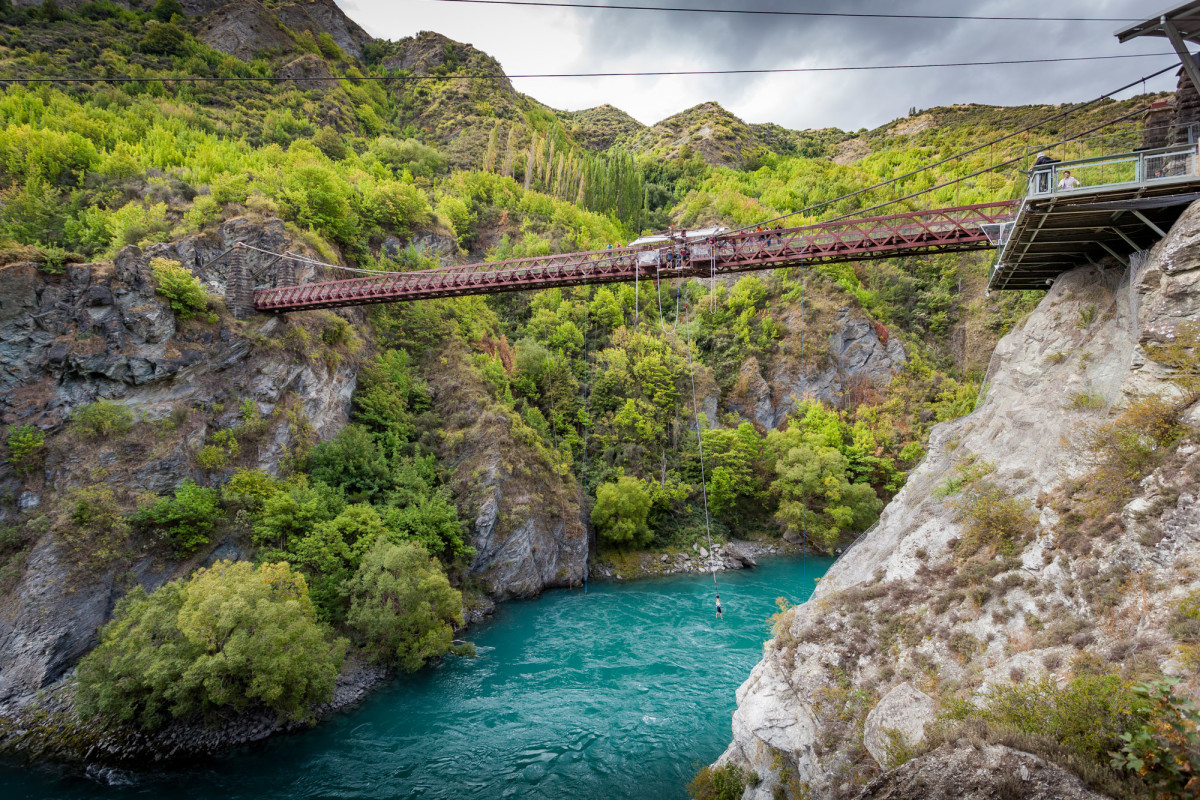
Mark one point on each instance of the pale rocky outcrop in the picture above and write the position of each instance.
(964, 771)
(906, 711)
(1085, 340)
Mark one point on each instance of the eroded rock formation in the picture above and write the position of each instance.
(893, 611)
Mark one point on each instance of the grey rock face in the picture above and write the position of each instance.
(858, 355)
(904, 710)
(1025, 433)
(101, 332)
(243, 29)
(52, 620)
(525, 515)
(324, 16)
(963, 771)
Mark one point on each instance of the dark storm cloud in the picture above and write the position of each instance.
(615, 40)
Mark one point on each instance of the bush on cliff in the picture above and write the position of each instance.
(232, 637)
(621, 511)
(179, 286)
(185, 520)
(402, 607)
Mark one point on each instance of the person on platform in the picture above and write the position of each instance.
(1068, 182)
(1042, 171)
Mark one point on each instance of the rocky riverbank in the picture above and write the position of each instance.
(696, 559)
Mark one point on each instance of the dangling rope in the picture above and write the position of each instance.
(587, 539)
(637, 271)
(712, 555)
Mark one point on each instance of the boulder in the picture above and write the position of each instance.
(971, 771)
(905, 710)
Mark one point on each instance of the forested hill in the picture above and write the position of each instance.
(148, 433)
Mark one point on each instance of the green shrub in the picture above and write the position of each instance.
(336, 331)
(402, 607)
(163, 39)
(249, 489)
(1165, 749)
(25, 444)
(103, 418)
(185, 520)
(621, 512)
(179, 286)
(1087, 715)
(331, 143)
(232, 637)
(223, 449)
(993, 521)
(165, 9)
(93, 525)
(723, 783)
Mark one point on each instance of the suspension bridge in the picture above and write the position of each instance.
(1128, 201)
(944, 230)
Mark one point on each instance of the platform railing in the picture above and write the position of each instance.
(1125, 169)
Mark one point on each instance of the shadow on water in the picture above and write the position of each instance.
(618, 693)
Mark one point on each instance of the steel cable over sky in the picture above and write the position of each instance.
(787, 13)
(503, 76)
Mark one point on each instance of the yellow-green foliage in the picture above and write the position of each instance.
(994, 522)
(1087, 715)
(179, 286)
(230, 638)
(723, 783)
(102, 418)
(402, 607)
(25, 444)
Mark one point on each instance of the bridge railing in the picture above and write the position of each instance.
(850, 239)
(1162, 164)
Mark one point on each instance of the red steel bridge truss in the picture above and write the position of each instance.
(944, 230)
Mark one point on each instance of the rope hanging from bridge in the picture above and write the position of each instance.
(712, 555)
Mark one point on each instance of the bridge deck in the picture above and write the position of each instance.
(1125, 203)
(914, 233)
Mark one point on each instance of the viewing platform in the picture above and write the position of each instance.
(1077, 212)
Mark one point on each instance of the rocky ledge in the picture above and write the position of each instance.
(696, 560)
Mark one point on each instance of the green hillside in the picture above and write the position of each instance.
(437, 152)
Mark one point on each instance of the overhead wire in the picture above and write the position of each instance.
(790, 13)
(115, 79)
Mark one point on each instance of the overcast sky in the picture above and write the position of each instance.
(539, 40)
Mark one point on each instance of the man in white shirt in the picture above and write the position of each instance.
(1068, 182)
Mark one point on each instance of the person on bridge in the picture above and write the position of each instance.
(720, 614)
(1042, 170)
(1068, 182)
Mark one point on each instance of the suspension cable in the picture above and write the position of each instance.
(955, 156)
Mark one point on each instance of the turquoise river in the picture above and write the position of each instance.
(618, 693)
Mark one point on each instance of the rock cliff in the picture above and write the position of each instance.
(100, 332)
(523, 510)
(902, 606)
